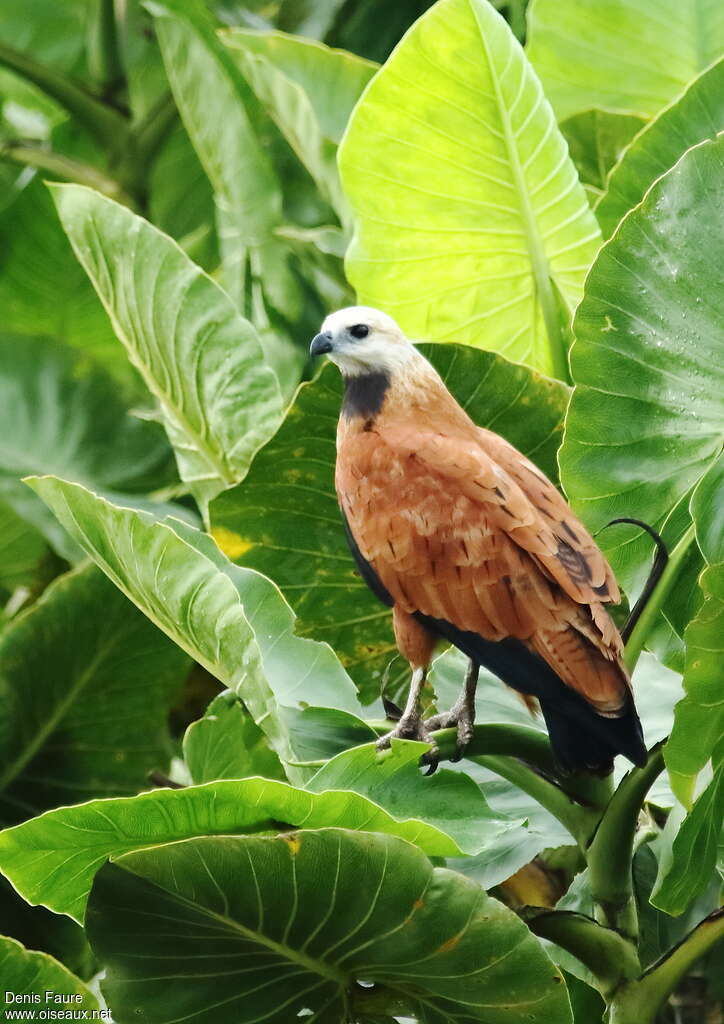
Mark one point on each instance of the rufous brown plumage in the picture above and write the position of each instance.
(459, 528)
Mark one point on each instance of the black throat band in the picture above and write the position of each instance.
(365, 394)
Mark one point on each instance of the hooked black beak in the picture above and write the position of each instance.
(321, 343)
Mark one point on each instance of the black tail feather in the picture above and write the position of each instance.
(581, 738)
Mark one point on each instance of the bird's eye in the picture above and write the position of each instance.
(359, 331)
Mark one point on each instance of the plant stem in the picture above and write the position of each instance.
(609, 957)
(106, 124)
(638, 1002)
(103, 57)
(610, 852)
(524, 757)
(668, 577)
(579, 820)
(66, 168)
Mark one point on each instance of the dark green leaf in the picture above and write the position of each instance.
(60, 414)
(227, 744)
(27, 973)
(88, 717)
(284, 519)
(647, 415)
(449, 800)
(699, 720)
(596, 139)
(44, 291)
(428, 938)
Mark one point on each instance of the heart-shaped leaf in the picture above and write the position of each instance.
(309, 90)
(297, 921)
(471, 224)
(87, 717)
(52, 859)
(300, 542)
(629, 56)
(198, 356)
(37, 976)
(43, 291)
(691, 118)
(646, 419)
(233, 621)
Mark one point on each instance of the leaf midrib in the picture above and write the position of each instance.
(16, 766)
(307, 962)
(544, 296)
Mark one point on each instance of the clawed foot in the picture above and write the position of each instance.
(461, 716)
(409, 727)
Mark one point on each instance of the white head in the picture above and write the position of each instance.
(361, 340)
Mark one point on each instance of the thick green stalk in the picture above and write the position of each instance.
(524, 757)
(609, 957)
(643, 627)
(105, 123)
(67, 168)
(104, 59)
(638, 1002)
(579, 820)
(610, 853)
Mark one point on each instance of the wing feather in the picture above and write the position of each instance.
(466, 530)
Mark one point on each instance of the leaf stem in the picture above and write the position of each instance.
(642, 628)
(105, 123)
(103, 57)
(579, 820)
(610, 958)
(638, 1002)
(610, 852)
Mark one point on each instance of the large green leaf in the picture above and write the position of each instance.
(629, 56)
(44, 291)
(220, 114)
(296, 921)
(198, 356)
(699, 720)
(86, 684)
(691, 118)
(22, 550)
(228, 744)
(646, 419)
(60, 414)
(309, 90)
(692, 845)
(25, 973)
(52, 859)
(450, 800)
(233, 621)
(472, 225)
(596, 139)
(284, 520)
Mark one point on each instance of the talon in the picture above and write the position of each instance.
(431, 761)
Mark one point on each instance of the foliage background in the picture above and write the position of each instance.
(186, 189)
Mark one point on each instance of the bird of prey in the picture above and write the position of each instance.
(469, 542)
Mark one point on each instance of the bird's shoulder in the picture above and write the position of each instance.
(451, 464)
